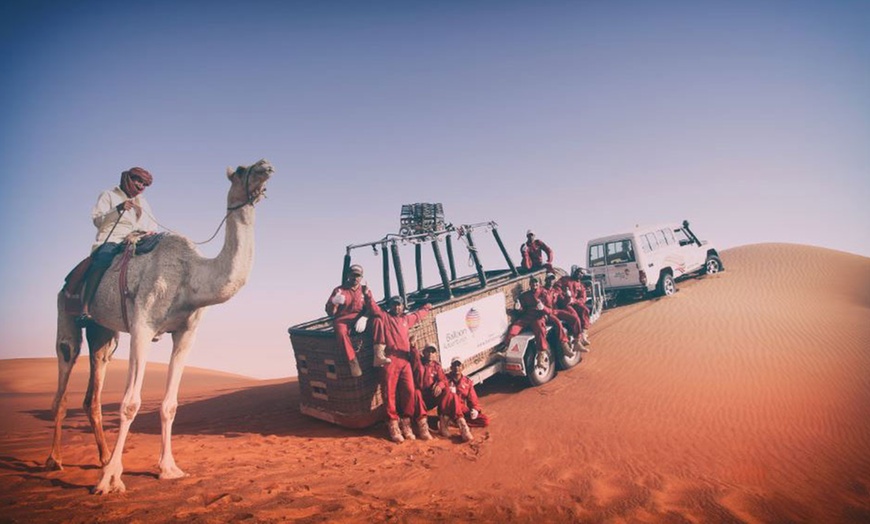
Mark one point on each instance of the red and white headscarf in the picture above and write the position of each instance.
(127, 184)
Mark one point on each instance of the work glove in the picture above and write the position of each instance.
(361, 324)
(474, 413)
(338, 298)
(517, 305)
(540, 306)
(437, 389)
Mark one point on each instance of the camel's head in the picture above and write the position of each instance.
(248, 184)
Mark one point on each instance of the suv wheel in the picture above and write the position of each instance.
(713, 265)
(666, 286)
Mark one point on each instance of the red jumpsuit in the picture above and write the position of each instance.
(427, 375)
(531, 318)
(398, 379)
(576, 300)
(533, 255)
(551, 298)
(344, 316)
(459, 399)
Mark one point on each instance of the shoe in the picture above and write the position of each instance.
(584, 339)
(395, 433)
(464, 430)
(380, 358)
(355, 370)
(405, 426)
(444, 426)
(84, 320)
(567, 349)
(423, 429)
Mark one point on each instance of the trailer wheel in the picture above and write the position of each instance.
(540, 370)
(713, 265)
(568, 363)
(666, 286)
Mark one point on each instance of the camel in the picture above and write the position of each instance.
(169, 290)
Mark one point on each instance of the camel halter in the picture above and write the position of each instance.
(251, 198)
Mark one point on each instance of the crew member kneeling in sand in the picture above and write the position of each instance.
(392, 346)
(460, 404)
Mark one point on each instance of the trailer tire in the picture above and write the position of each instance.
(666, 286)
(540, 375)
(568, 363)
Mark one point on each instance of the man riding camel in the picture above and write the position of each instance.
(118, 213)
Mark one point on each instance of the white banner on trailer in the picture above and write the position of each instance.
(467, 330)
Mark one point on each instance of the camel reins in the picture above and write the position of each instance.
(250, 199)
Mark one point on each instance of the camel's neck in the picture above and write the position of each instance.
(219, 278)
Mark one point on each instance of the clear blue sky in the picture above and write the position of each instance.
(578, 119)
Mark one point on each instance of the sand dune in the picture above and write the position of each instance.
(745, 397)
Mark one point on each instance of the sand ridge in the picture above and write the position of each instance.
(745, 397)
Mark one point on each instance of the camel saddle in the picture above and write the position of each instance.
(74, 283)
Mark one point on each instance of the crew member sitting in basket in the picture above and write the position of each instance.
(460, 404)
(390, 336)
(348, 305)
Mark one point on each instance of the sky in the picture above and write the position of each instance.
(574, 118)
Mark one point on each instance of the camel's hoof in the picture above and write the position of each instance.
(109, 483)
(52, 465)
(104, 488)
(174, 473)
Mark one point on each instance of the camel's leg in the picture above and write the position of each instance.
(68, 347)
(110, 479)
(181, 344)
(102, 343)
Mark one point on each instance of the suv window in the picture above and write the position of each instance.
(596, 255)
(619, 252)
(660, 236)
(645, 244)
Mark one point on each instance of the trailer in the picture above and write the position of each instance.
(468, 320)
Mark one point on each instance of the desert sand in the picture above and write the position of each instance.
(745, 397)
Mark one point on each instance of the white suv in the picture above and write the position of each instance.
(650, 259)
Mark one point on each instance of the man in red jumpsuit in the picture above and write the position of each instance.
(390, 332)
(533, 253)
(533, 315)
(460, 404)
(574, 297)
(554, 299)
(430, 378)
(348, 305)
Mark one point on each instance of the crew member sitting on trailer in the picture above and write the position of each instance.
(554, 299)
(533, 315)
(460, 404)
(390, 335)
(533, 251)
(348, 306)
(574, 297)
